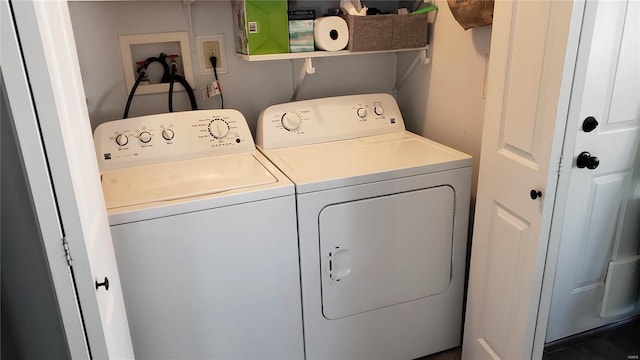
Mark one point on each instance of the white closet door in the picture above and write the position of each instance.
(522, 137)
(65, 162)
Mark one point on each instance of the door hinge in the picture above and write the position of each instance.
(67, 252)
(562, 164)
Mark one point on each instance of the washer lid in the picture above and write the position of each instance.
(183, 179)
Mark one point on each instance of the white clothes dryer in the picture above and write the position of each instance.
(382, 227)
(204, 231)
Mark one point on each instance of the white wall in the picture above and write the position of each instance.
(444, 100)
(248, 87)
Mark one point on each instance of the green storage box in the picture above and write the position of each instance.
(261, 26)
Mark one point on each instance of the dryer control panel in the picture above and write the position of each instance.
(169, 137)
(328, 119)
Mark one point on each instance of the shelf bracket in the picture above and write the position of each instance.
(307, 68)
(420, 57)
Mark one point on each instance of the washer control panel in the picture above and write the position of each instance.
(171, 137)
(328, 119)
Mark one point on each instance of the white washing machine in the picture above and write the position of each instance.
(382, 227)
(205, 237)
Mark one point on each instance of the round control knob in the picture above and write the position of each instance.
(144, 137)
(218, 128)
(168, 134)
(378, 110)
(362, 112)
(290, 121)
(122, 140)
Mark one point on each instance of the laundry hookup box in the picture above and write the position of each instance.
(261, 26)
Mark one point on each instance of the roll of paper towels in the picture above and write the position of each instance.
(330, 33)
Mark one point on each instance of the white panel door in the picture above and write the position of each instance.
(63, 134)
(601, 216)
(521, 141)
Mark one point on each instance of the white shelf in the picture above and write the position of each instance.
(308, 68)
(319, 54)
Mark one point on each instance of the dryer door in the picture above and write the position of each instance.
(386, 250)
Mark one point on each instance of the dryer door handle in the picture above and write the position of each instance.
(338, 264)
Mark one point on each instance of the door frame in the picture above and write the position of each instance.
(37, 171)
(59, 138)
(558, 208)
(579, 22)
(573, 130)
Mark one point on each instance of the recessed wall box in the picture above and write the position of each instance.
(139, 47)
(205, 52)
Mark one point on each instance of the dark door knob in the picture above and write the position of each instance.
(105, 283)
(589, 124)
(586, 160)
(535, 194)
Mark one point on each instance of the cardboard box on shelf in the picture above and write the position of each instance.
(261, 26)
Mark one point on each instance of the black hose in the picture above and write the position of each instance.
(162, 59)
(187, 88)
(171, 81)
(171, 95)
(172, 78)
(132, 92)
(143, 70)
(168, 76)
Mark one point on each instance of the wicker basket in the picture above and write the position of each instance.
(386, 32)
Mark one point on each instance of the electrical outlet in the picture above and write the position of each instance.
(209, 49)
(208, 46)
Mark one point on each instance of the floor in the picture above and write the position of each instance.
(619, 341)
(616, 341)
(452, 354)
